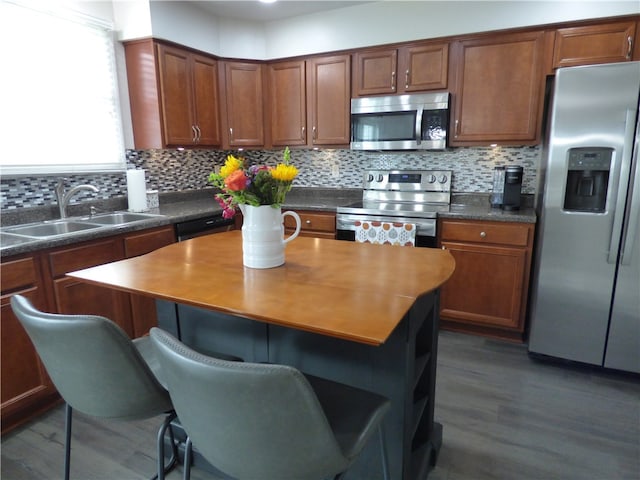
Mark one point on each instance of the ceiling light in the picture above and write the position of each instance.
(268, 1)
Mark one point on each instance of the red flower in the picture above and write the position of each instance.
(236, 182)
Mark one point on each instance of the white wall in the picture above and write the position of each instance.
(399, 21)
(372, 23)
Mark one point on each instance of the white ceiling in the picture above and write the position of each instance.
(263, 12)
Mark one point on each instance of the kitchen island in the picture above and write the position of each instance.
(365, 315)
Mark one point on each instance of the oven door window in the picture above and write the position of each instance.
(383, 127)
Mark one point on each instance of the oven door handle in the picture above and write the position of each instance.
(418, 131)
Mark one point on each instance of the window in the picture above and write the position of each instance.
(59, 106)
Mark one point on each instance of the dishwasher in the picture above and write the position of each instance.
(203, 226)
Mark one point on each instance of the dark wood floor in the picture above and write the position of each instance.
(505, 416)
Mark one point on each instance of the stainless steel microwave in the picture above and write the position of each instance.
(400, 122)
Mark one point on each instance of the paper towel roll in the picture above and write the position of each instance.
(136, 190)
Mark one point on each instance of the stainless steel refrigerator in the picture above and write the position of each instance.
(585, 303)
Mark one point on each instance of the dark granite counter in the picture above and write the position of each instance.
(183, 206)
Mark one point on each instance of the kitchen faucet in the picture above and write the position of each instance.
(63, 198)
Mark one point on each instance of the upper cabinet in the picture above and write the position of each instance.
(410, 68)
(243, 104)
(589, 44)
(309, 101)
(288, 103)
(329, 100)
(499, 89)
(189, 97)
(173, 94)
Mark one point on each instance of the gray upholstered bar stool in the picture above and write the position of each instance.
(264, 421)
(98, 371)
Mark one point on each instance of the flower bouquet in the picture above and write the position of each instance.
(254, 185)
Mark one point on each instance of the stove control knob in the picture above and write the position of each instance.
(431, 178)
(443, 179)
(380, 177)
(369, 178)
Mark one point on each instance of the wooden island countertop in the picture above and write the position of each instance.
(357, 292)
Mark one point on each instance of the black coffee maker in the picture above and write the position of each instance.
(512, 188)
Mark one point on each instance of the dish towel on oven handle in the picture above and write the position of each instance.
(393, 233)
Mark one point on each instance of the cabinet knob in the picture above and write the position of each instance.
(483, 234)
(308, 222)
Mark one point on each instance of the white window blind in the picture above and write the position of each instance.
(59, 107)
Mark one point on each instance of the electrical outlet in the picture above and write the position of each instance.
(335, 171)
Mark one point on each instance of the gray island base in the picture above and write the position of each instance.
(403, 369)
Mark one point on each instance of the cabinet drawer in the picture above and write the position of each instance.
(85, 256)
(482, 232)
(317, 222)
(18, 273)
(139, 244)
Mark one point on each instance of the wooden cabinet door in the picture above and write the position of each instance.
(245, 119)
(143, 308)
(314, 224)
(176, 96)
(287, 97)
(589, 44)
(499, 89)
(329, 100)
(206, 100)
(375, 72)
(423, 67)
(26, 388)
(486, 287)
(74, 297)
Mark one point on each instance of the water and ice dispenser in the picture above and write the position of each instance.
(587, 179)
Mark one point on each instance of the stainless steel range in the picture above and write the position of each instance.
(405, 196)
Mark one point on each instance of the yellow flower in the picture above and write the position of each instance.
(231, 165)
(285, 173)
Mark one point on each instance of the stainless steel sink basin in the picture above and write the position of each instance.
(119, 218)
(8, 240)
(51, 229)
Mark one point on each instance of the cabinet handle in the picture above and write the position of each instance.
(457, 129)
(393, 81)
(199, 133)
(406, 79)
(315, 132)
(195, 134)
(230, 133)
(483, 234)
(629, 46)
(303, 129)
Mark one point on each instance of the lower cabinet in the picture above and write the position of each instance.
(25, 383)
(26, 388)
(488, 291)
(313, 224)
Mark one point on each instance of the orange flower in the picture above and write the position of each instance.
(236, 181)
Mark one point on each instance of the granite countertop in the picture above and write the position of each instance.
(184, 206)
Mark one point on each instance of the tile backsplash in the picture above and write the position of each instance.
(176, 170)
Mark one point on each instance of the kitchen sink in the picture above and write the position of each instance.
(119, 218)
(51, 229)
(8, 240)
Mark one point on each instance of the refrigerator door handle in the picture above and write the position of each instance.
(631, 222)
(621, 191)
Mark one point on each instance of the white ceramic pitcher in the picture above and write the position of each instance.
(263, 239)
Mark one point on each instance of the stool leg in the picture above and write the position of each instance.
(162, 469)
(186, 474)
(67, 440)
(383, 454)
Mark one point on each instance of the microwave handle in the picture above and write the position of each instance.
(419, 126)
